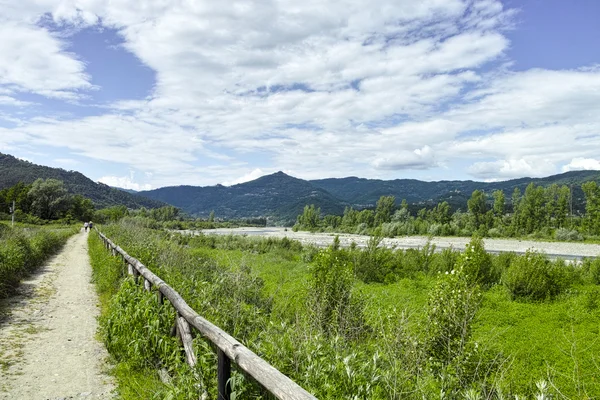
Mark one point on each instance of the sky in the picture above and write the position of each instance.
(145, 94)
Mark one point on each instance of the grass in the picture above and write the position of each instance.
(258, 291)
(22, 250)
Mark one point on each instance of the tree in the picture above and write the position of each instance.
(516, 210)
(592, 207)
(499, 203)
(366, 217)
(82, 209)
(477, 207)
(167, 213)
(309, 219)
(441, 213)
(551, 197)
(350, 217)
(532, 209)
(49, 199)
(383, 211)
(562, 207)
(17, 193)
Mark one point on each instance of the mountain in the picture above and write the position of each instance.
(278, 195)
(13, 171)
(283, 197)
(362, 192)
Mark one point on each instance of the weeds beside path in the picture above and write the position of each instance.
(48, 348)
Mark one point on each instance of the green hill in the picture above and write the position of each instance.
(277, 195)
(283, 197)
(365, 192)
(13, 171)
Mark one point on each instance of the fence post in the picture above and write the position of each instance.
(223, 375)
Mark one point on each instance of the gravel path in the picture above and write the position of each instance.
(567, 250)
(48, 348)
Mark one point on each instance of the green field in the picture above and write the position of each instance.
(357, 324)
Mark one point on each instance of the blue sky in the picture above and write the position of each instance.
(149, 94)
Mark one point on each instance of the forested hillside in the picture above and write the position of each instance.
(282, 196)
(278, 195)
(13, 171)
(365, 192)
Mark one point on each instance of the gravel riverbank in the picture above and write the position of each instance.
(566, 250)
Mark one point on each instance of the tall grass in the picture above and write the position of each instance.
(22, 250)
(428, 330)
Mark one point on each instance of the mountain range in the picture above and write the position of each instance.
(282, 197)
(14, 170)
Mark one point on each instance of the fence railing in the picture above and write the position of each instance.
(228, 348)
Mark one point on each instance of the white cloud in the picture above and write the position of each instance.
(33, 60)
(250, 176)
(580, 163)
(66, 162)
(124, 182)
(418, 159)
(10, 101)
(512, 168)
(399, 87)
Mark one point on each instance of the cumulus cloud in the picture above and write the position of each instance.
(320, 88)
(513, 168)
(417, 159)
(124, 182)
(250, 176)
(34, 60)
(580, 163)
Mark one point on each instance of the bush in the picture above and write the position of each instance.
(376, 264)
(568, 235)
(451, 308)
(590, 270)
(21, 251)
(495, 233)
(337, 309)
(477, 263)
(534, 277)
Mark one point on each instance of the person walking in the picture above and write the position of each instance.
(90, 225)
(85, 226)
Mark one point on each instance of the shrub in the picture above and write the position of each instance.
(376, 264)
(362, 229)
(477, 263)
(451, 308)
(590, 269)
(445, 260)
(494, 233)
(337, 309)
(568, 235)
(534, 277)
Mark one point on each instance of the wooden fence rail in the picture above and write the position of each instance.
(228, 348)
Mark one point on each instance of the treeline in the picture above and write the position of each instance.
(170, 217)
(44, 200)
(48, 200)
(539, 212)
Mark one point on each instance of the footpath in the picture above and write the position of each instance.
(48, 345)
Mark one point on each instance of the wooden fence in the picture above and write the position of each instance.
(228, 348)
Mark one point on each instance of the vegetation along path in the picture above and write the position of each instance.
(48, 348)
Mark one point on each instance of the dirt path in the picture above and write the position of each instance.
(48, 348)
